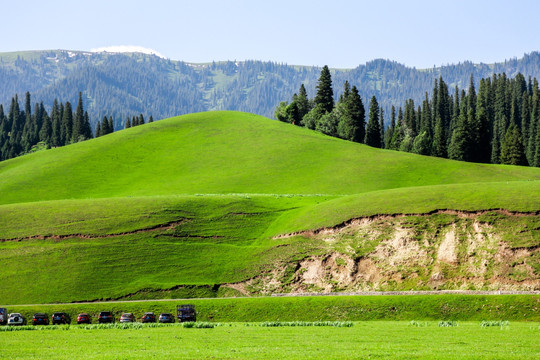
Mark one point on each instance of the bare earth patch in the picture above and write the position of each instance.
(443, 250)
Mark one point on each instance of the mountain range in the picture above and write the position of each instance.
(124, 85)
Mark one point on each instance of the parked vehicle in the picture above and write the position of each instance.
(40, 319)
(166, 318)
(105, 317)
(148, 317)
(127, 318)
(186, 313)
(16, 319)
(60, 318)
(3, 316)
(84, 318)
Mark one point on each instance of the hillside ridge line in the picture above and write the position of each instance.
(459, 213)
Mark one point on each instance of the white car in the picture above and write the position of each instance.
(16, 319)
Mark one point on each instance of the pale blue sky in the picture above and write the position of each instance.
(341, 34)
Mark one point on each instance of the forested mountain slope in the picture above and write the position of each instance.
(125, 85)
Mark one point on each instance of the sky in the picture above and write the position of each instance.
(337, 33)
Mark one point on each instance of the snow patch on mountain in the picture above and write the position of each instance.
(127, 49)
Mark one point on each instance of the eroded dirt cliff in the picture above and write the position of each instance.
(489, 250)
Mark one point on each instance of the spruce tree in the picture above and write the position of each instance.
(3, 132)
(86, 131)
(302, 102)
(325, 94)
(479, 127)
(390, 129)
(151, 119)
(373, 132)
(381, 126)
(471, 99)
(525, 117)
(534, 126)
(105, 126)
(410, 117)
(346, 91)
(459, 143)
(45, 133)
(438, 148)
(15, 126)
(443, 103)
(56, 120)
(26, 135)
(352, 116)
(292, 113)
(111, 124)
(399, 132)
(495, 144)
(358, 114)
(537, 147)
(512, 150)
(427, 121)
(98, 130)
(66, 129)
(531, 150)
(128, 123)
(456, 108)
(77, 133)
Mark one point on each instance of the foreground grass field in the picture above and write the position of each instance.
(198, 201)
(387, 339)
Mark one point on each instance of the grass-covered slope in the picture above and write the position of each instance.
(227, 152)
(197, 200)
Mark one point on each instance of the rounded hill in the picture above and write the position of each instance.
(228, 152)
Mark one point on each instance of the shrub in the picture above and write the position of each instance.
(448, 323)
(500, 323)
(418, 323)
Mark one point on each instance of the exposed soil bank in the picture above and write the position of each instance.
(443, 250)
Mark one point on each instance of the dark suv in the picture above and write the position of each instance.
(60, 318)
(148, 317)
(186, 313)
(105, 317)
(40, 319)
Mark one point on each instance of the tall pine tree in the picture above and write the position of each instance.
(66, 129)
(373, 131)
(77, 132)
(325, 93)
(352, 116)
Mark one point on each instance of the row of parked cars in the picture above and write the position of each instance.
(184, 313)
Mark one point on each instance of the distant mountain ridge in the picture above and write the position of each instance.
(127, 84)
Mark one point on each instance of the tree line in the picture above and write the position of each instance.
(23, 130)
(498, 124)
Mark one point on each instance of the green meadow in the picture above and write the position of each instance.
(228, 153)
(372, 339)
(196, 201)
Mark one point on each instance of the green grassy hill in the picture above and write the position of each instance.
(228, 152)
(182, 206)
